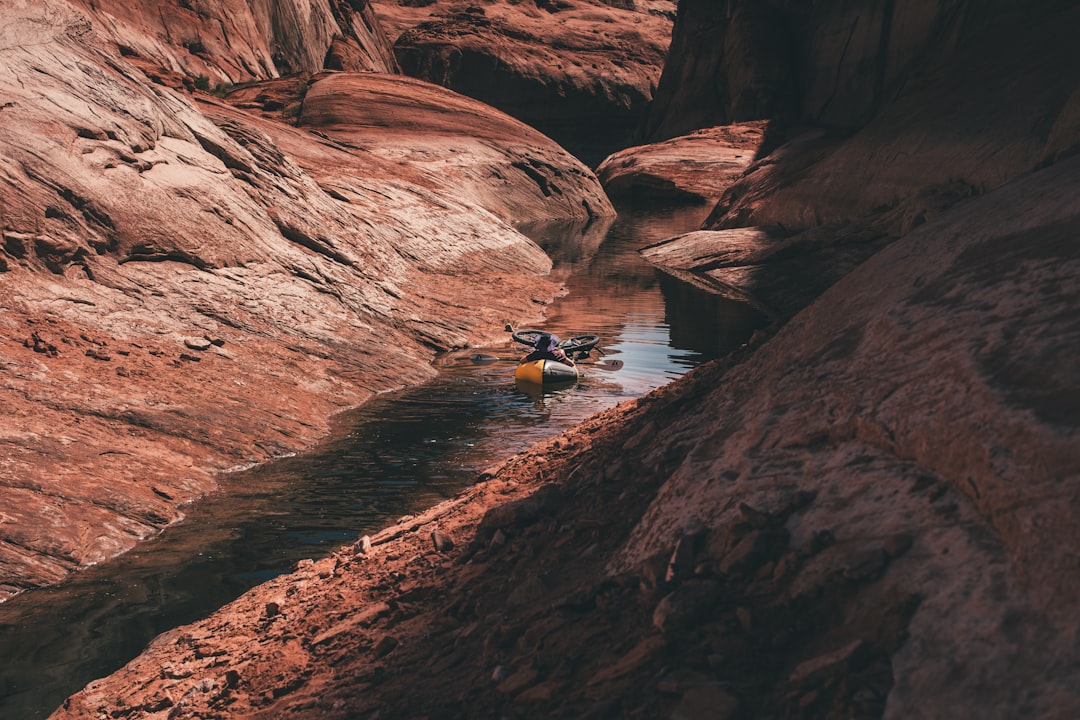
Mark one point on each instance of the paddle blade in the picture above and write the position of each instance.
(609, 364)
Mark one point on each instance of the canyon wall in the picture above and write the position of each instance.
(189, 285)
(868, 511)
(847, 171)
(582, 72)
(834, 64)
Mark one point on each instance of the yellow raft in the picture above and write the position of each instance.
(545, 372)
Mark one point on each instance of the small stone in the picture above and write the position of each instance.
(273, 609)
(753, 517)
(386, 646)
(520, 680)
(679, 682)
(541, 693)
(498, 539)
(653, 572)
(646, 650)
(500, 673)
(98, 355)
(819, 669)
(685, 605)
(190, 358)
(785, 566)
(162, 703)
(681, 562)
(747, 554)
(200, 344)
(442, 542)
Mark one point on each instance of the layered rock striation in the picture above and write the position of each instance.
(222, 42)
(993, 96)
(190, 286)
(582, 72)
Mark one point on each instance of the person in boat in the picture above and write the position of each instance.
(546, 347)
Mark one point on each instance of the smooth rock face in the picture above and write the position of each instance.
(581, 72)
(504, 165)
(188, 286)
(867, 512)
(694, 168)
(834, 63)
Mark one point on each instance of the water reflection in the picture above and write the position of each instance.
(401, 452)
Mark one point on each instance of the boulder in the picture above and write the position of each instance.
(694, 169)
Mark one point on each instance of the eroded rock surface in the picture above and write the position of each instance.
(692, 169)
(188, 286)
(868, 514)
(229, 41)
(580, 71)
(827, 198)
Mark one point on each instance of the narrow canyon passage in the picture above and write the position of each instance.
(400, 453)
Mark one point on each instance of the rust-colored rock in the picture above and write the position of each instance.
(694, 168)
(499, 163)
(219, 42)
(244, 278)
(581, 72)
(871, 508)
(821, 203)
(894, 405)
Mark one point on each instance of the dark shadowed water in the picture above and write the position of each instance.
(400, 453)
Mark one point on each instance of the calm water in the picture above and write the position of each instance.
(398, 454)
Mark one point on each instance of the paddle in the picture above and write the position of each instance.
(608, 364)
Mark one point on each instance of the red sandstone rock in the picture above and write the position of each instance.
(580, 71)
(499, 163)
(822, 203)
(695, 168)
(135, 219)
(228, 41)
(895, 405)
(927, 396)
(834, 63)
